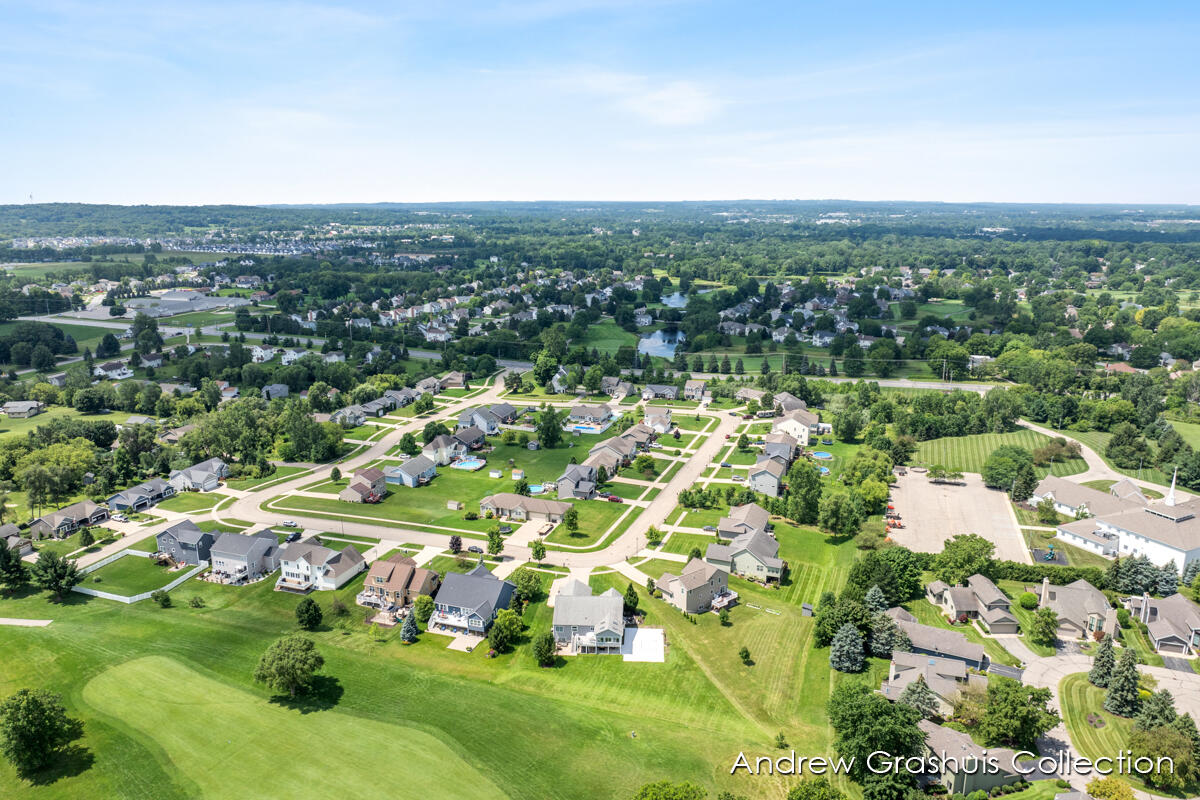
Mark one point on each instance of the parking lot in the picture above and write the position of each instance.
(934, 512)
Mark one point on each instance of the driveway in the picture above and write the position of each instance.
(1005, 672)
(1178, 664)
(934, 512)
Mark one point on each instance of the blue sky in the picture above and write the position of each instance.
(266, 102)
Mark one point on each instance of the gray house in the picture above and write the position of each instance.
(481, 418)
(144, 495)
(578, 482)
(752, 555)
(185, 543)
(939, 642)
(274, 390)
(240, 558)
(467, 603)
(412, 473)
(587, 623)
(767, 477)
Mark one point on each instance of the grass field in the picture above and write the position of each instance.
(9, 426)
(84, 335)
(1076, 556)
(682, 543)
(218, 737)
(193, 501)
(606, 337)
(251, 484)
(1104, 485)
(1098, 440)
(968, 453)
(129, 576)
(1079, 699)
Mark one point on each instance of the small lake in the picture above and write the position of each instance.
(679, 299)
(661, 343)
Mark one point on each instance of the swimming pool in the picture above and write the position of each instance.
(470, 464)
(824, 471)
(536, 488)
(586, 428)
(823, 456)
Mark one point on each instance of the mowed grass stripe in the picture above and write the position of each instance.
(969, 453)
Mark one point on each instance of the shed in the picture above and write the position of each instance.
(806, 609)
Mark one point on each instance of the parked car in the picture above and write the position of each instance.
(290, 523)
(734, 413)
(710, 528)
(726, 464)
(506, 528)
(294, 536)
(474, 549)
(612, 498)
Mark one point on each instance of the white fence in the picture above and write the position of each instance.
(120, 598)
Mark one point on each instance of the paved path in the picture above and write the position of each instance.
(24, 623)
(1097, 468)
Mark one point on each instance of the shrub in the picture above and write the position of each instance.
(196, 602)
(1062, 784)
(162, 598)
(1028, 601)
(1123, 617)
(471, 515)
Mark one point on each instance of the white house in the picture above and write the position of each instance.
(304, 567)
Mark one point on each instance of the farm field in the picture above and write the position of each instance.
(968, 453)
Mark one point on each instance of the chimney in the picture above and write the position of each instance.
(1145, 607)
(1045, 590)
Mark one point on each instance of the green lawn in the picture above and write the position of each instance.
(683, 543)
(1076, 556)
(1107, 735)
(217, 737)
(1104, 485)
(629, 491)
(1024, 617)
(1134, 638)
(928, 614)
(1098, 440)
(9, 427)
(595, 518)
(250, 484)
(129, 576)
(193, 501)
(968, 453)
(606, 337)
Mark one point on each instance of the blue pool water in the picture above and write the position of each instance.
(469, 464)
(824, 470)
(536, 488)
(823, 456)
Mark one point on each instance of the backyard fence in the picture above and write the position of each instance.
(128, 599)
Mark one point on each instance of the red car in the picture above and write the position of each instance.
(612, 498)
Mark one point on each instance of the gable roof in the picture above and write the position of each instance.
(605, 611)
(478, 591)
(186, 532)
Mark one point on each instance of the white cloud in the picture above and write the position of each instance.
(674, 102)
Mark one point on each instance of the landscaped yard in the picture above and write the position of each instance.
(1104, 485)
(1098, 440)
(192, 501)
(249, 484)
(968, 453)
(129, 576)
(928, 614)
(10, 426)
(683, 543)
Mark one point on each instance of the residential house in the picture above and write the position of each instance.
(185, 543)
(747, 394)
(67, 520)
(241, 558)
(946, 678)
(587, 623)
(454, 380)
(429, 386)
(274, 390)
(799, 423)
(612, 454)
(481, 418)
(395, 582)
(658, 419)
(590, 415)
(443, 449)
(780, 445)
(304, 567)
(349, 417)
(694, 390)
(22, 409)
(468, 602)
(939, 642)
(472, 438)
(261, 353)
(752, 555)
(750, 518)
(658, 391)
(957, 759)
(616, 388)
(505, 413)
(144, 495)
(401, 397)
(366, 486)
(202, 477)
(1172, 623)
(10, 537)
(695, 588)
(507, 505)
(559, 383)
(1083, 610)
(578, 482)
(292, 356)
(767, 476)
(980, 599)
(112, 370)
(412, 473)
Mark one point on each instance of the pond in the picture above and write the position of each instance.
(679, 299)
(661, 343)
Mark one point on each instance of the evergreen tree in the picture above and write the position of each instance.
(875, 600)
(408, 633)
(631, 599)
(1103, 663)
(918, 695)
(308, 614)
(1168, 579)
(886, 637)
(1122, 698)
(1158, 710)
(1187, 726)
(1191, 571)
(13, 574)
(1138, 575)
(846, 650)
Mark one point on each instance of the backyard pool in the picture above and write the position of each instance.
(536, 488)
(821, 455)
(824, 471)
(587, 428)
(470, 464)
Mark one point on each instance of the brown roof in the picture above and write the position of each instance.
(370, 474)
